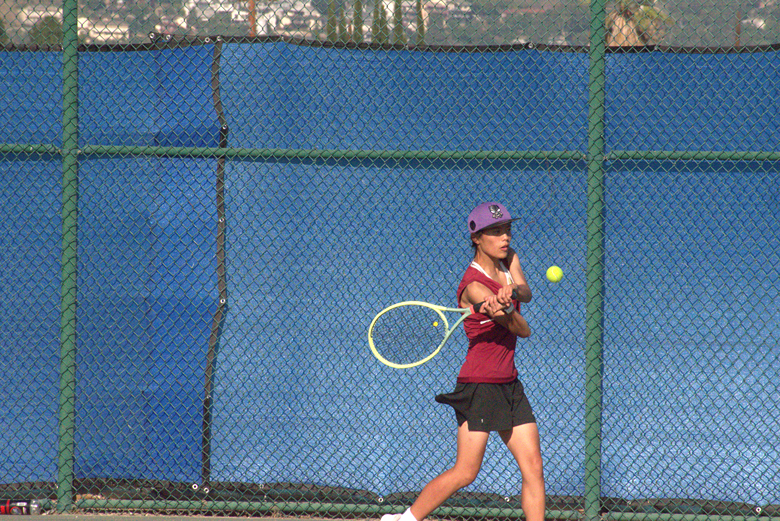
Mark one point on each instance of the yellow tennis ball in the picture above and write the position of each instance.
(435, 324)
(554, 274)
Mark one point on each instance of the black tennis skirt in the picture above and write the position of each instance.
(489, 407)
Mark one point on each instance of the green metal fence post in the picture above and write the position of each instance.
(69, 269)
(594, 262)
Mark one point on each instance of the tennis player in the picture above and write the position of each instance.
(488, 395)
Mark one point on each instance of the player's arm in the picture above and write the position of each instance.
(521, 285)
(499, 308)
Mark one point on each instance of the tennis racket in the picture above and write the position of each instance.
(410, 333)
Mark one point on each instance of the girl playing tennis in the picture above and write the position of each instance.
(488, 395)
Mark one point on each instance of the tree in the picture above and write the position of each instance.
(633, 22)
(47, 32)
(344, 33)
(628, 22)
(399, 35)
(652, 24)
(332, 24)
(357, 22)
(380, 32)
(220, 23)
(621, 27)
(420, 22)
(4, 39)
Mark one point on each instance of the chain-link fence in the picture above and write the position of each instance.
(204, 204)
(675, 23)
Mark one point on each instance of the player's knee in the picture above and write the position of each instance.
(468, 479)
(467, 475)
(534, 468)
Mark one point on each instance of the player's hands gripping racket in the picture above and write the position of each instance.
(410, 333)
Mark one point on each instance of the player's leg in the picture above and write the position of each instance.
(471, 451)
(523, 442)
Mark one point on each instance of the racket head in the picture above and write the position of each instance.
(408, 334)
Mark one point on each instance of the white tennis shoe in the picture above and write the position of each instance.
(406, 516)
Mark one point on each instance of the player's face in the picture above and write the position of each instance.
(495, 240)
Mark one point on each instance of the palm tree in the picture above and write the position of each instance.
(420, 23)
(398, 23)
(380, 32)
(331, 25)
(357, 22)
(344, 34)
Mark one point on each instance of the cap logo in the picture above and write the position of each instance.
(495, 211)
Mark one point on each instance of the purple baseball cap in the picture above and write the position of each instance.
(487, 215)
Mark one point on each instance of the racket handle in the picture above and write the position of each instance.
(476, 307)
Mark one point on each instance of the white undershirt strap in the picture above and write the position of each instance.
(509, 279)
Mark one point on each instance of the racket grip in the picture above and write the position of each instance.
(476, 307)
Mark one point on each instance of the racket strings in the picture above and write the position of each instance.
(406, 334)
